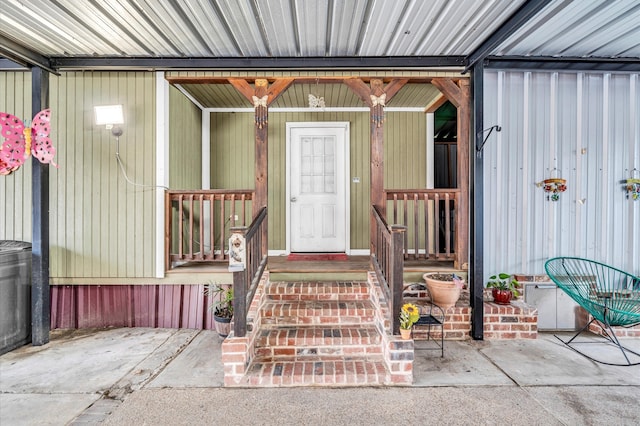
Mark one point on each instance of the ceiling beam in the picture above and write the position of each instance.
(562, 64)
(9, 65)
(520, 17)
(288, 63)
(187, 79)
(23, 56)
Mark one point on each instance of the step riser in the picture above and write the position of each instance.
(319, 337)
(320, 291)
(326, 353)
(343, 373)
(318, 313)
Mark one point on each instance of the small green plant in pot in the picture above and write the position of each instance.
(222, 306)
(504, 286)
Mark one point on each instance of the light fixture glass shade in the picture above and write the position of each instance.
(109, 115)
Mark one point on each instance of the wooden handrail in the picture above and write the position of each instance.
(246, 282)
(197, 223)
(430, 216)
(388, 264)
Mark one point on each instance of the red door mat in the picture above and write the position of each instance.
(317, 256)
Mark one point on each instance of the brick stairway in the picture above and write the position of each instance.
(323, 334)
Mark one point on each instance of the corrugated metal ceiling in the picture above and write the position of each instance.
(318, 28)
(252, 28)
(124, 33)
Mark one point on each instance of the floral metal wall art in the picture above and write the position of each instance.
(633, 189)
(553, 187)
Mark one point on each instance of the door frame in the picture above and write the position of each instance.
(345, 126)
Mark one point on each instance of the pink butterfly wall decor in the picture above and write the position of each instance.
(21, 141)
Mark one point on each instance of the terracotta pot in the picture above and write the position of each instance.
(405, 334)
(222, 325)
(444, 293)
(501, 297)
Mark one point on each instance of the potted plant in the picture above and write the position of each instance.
(222, 306)
(409, 315)
(444, 288)
(504, 286)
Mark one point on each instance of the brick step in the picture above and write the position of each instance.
(342, 372)
(318, 343)
(317, 290)
(318, 312)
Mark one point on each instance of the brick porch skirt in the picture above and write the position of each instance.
(515, 321)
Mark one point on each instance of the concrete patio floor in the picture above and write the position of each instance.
(169, 376)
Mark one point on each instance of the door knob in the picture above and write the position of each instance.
(294, 199)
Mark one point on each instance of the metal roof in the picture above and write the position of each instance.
(272, 35)
(174, 33)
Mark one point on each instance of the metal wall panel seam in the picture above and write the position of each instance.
(605, 183)
(580, 211)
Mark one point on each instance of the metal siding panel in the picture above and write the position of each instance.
(584, 124)
(91, 306)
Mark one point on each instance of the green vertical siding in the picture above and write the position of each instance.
(101, 225)
(185, 142)
(15, 189)
(405, 150)
(232, 161)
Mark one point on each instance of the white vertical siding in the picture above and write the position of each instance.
(583, 127)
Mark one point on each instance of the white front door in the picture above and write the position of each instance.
(317, 187)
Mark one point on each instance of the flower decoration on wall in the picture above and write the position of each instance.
(633, 189)
(22, 140)
(553, 187)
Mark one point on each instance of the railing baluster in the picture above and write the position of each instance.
(212, 238)
(191, 227)
(201, 226)
(222, 222)
(180, 227)
(436, 223)
(416, 234)
(425, 205)
(232, 217)
(180, 217)
(447, 226)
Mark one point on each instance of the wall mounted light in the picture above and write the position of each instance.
(109, 116)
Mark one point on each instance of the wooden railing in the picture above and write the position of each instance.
(430, 218)
(197, 223)
(388, 263)
(246, 282)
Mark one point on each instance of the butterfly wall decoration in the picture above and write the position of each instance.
(316, 101)
(21, 141)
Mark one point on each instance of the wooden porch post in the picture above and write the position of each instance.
(261, 97)
(375, 97)
(459, 95)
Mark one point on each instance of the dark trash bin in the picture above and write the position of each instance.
(15, 294)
